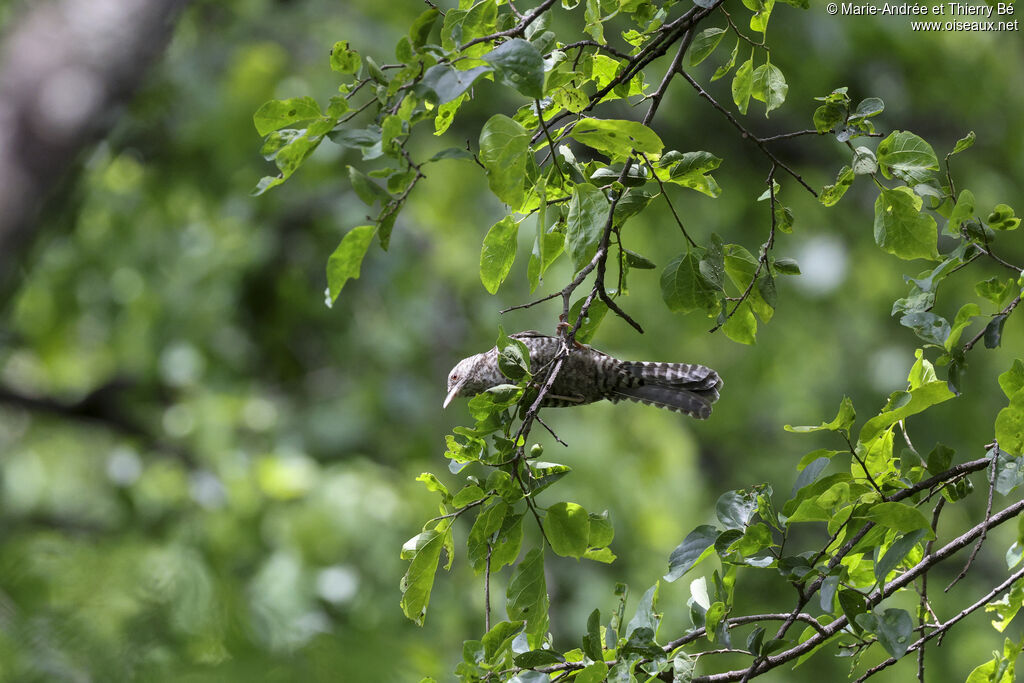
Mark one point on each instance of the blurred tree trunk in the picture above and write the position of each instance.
(66, 68)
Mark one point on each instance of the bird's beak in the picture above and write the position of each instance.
(453, 393)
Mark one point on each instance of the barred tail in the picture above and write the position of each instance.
(682, 387)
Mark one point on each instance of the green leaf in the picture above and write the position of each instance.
(344, 60)
(1012, 380)
(741, 326)
(420, 30)
(498, 253)
(831, 194)
(567, 527)
(691, 170)
(893, 627)
(617, 138)
(964, 143)
(588, 214)
(864, 161)
(695, 547)
(345, 262)
(498, 640)
(601, 531)
(704, 44)
(743, 85)
(727, 67)
(1010, 426)
(595, 314)
(895, 554)
(921, 398)
(592, 643)
(868, 107)
(519, 65)
(741, 266)
(685, 288)
(424, 550)
(469, 494)
(962, 212)
(646, 616)
(504, 148)
(526, 598)
(964, 317)
(443, 83)
(900, 227)
(994, 331)
(277, 114)
(769, 86)
(900, 517)
(368, 191)
(1009, 475)
(840, 423)
(939, 459)
(906, 156)
(735, 509)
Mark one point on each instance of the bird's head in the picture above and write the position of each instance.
(470, 376)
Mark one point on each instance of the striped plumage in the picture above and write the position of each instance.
(589, 375)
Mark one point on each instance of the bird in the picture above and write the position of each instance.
(588, 375)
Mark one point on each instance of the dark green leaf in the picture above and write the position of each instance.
(685, 288)
(443, 83)
(519, 65)
(994, 331)
(939, 459)
(897, 551)
(526, 598)
(893, 628)
(735, 509)
(588, 214)
(695, 547)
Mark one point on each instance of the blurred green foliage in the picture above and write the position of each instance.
(212, 473)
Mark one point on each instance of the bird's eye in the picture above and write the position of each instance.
(454, 377)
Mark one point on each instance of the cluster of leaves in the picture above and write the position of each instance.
(579, 179)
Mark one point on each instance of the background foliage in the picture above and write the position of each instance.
(207, 473)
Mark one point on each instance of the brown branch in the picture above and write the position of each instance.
(874, 598)
(946, 625)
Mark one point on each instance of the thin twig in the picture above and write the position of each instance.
(762, 259)
(988, 513)
(668, 201)
(550, 431)
(746, 133)
(946, 625)
(1006, 311)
